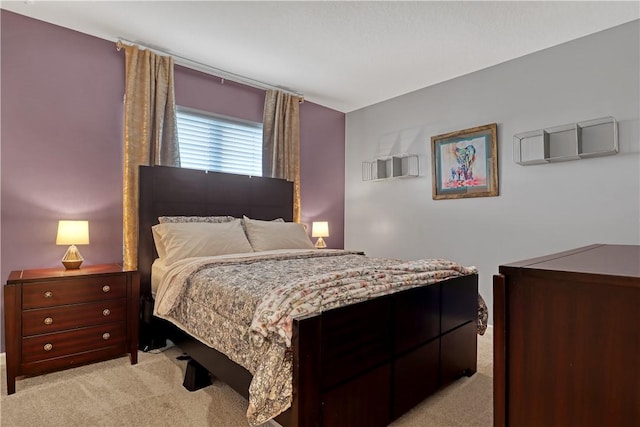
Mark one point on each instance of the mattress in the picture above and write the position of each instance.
(158, 270)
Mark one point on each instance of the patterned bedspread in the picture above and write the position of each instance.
(244, 306)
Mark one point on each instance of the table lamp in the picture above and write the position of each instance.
(320, 229)
(72, 233)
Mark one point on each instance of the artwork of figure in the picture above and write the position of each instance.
(464, 159)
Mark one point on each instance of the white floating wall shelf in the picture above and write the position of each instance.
(400, 166)
(591, 138)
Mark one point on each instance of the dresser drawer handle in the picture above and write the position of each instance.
(48, 294)
(48, 320)
(106, 288)
(106, 312)
(106, 336)
(48, 347)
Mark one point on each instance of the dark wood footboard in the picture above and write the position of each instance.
(369, 363)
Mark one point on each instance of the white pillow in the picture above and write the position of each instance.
(194, 239)
(269, 235)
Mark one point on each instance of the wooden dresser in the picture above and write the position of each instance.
(567, 339)
(56, 318)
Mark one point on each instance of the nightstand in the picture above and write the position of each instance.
(56, 319)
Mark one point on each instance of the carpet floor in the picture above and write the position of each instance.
(115, 393)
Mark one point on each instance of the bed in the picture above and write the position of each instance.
(361, 364)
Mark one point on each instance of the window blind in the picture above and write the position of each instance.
(221, 144)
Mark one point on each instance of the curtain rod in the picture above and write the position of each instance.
(217, 72)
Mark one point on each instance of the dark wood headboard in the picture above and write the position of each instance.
(174, 191)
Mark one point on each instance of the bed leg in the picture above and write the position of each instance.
(468, 372)
(196, 376)
(150, 332)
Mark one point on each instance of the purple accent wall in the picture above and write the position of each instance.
(61, 143)
(322, 169)
(205, 92)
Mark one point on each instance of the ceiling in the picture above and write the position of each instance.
(342, 55)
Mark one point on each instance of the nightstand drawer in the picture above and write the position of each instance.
(49, 346)
(73, 291)
(55, 319)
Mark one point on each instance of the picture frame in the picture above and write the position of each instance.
(465, 163)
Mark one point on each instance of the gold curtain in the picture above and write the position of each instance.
(281, 141)
(150, 135)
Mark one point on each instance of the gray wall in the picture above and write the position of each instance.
(542, 208)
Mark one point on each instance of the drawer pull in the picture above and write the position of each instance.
(106, 312)
(106, 288)
(48, 294)
(106, 336)
(48, 320)
(48, 347)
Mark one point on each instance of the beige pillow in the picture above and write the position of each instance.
(246, 217)
(194, 239)
(269, 235)
(157, 239)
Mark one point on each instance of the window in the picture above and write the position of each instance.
(217, 143)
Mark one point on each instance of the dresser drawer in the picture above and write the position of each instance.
(73, 291)
(56, 319)
(49, 346)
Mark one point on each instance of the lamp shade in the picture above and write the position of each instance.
(320, 229)
(73, 233)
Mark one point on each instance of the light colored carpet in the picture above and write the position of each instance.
(115, 393)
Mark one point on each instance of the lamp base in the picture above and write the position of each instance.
(72, 265)
(72, 260)
(320, 244)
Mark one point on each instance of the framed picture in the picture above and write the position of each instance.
(465, 163)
